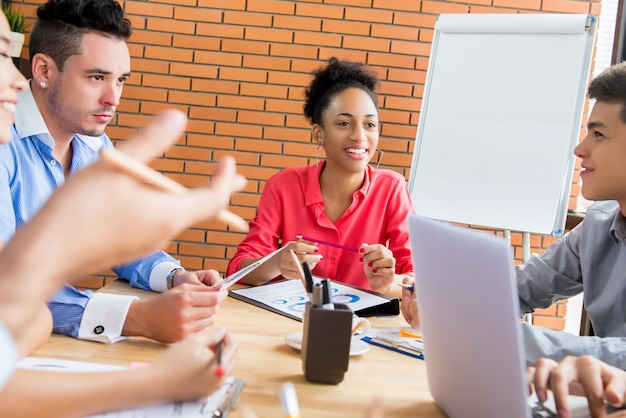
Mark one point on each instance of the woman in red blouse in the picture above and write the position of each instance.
(341, 200)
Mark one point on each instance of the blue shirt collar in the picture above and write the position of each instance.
(29, 122)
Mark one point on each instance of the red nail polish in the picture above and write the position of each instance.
(361, 250)
(317, 250)
(361, 259)
(369, 264)
(374, 271)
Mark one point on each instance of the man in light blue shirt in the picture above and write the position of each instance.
(79, 68)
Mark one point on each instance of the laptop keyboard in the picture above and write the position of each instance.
(539, 410)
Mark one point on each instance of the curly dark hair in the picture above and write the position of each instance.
(334, 78)
(610, 87)
(61, 24)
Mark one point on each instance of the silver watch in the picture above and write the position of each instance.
(169, 280)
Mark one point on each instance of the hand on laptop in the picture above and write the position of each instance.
(583, 376)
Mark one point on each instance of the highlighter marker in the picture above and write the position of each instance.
(318, 292)
(410, 333)
(308, 277)
(327, 299)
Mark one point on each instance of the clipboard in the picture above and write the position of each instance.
(222, 401)
(238, 275)
(289, 297)
(391, 339)
(216, 405)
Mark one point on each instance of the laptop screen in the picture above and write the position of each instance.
(469, 312)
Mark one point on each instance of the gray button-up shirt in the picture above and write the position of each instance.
(591, 259)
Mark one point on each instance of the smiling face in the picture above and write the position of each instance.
(83, 96)
(11, 82)
(349, 131)
(603, 155)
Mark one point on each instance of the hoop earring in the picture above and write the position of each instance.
(380, 156)
(317, 150)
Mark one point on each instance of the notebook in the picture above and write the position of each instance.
(469, 315)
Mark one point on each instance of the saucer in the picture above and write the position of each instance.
(357, 347)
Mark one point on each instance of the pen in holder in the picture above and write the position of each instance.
(326, 343)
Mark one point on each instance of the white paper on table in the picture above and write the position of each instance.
(290, 296)
(202, 408)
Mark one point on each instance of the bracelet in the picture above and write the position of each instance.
(169, 280)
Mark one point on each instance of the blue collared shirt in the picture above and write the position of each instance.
(29, 174)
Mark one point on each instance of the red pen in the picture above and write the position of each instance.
(219, 371)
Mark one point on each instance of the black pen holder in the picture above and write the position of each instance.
(326, 343)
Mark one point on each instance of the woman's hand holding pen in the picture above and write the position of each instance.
(304, 251)
(379, 265)
(189, 369)
(408, 303)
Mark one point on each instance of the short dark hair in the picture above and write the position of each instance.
(610, 87)
(334, 78)
(61, 25)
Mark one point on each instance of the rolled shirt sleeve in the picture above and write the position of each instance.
(159, 275)
(148, 272)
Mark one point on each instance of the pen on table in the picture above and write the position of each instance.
(327, 298)
(289, 401)
(357, 327)
(219, 371)
(144, 173)
(331, 244)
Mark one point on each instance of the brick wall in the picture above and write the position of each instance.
(238, 68)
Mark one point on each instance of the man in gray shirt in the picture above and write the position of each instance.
(592, 257)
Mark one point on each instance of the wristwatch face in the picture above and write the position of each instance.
(169, 281)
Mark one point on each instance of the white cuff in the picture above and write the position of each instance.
(104, 317)
(9, 355)
(159, 274)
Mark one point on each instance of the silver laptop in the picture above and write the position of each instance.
(469, 314)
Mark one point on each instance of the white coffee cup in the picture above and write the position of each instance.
(360, 328)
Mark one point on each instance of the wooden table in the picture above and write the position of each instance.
(265, 361)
